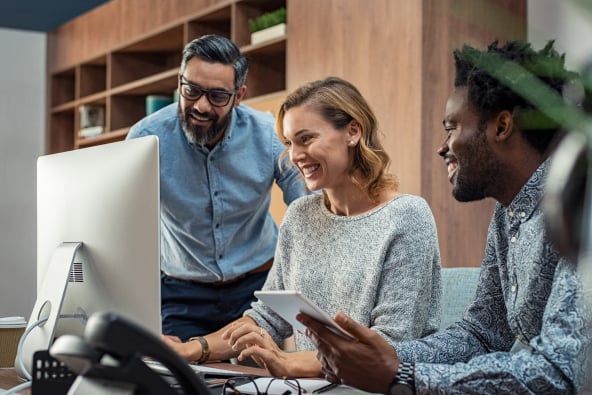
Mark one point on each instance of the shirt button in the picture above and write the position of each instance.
(513, 239)
(217, 226)
(523, 214)
(513, 288)
(216, 193)
(511, 213)
(220, 256)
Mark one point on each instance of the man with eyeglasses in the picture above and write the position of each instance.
(218, 161)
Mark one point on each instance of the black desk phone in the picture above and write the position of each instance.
(109, 359)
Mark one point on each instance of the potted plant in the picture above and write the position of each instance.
(267, 26)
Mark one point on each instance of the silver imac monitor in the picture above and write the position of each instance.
(98, 241)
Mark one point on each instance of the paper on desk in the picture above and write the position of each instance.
(278, 387)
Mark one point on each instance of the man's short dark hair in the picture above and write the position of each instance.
(217, 49)
(493, 78)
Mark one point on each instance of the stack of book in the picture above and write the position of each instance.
(92, 120)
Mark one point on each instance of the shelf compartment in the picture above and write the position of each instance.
(248, 9)
(63, 87)
(155, 54)
(126, 110)
(60, 136)
(127, 104)
(216, 21)
(267, 67)
(132, 67)
(92, 77)
(164, 83)
(99, 101)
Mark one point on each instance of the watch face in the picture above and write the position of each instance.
(401, 389)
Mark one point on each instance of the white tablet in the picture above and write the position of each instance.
(289, 303)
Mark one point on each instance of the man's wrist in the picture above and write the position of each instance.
(205, 348)
(404, 381)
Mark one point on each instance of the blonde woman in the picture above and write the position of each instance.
(360, 246)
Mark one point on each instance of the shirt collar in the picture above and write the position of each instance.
(531, 194)
(231, 127)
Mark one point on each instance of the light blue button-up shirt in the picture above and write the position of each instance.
(215, 220)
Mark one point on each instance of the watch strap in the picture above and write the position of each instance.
(205, 348)
(405, 376)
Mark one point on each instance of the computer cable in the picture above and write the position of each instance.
(19, 353)
(16, 388)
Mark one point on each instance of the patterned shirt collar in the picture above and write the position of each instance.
(531, 194)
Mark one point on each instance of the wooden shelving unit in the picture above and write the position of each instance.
(120, 78)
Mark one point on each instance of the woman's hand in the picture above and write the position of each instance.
(253, 341)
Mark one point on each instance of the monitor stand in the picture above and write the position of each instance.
(47, 307)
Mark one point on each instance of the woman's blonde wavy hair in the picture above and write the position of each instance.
(339, 102)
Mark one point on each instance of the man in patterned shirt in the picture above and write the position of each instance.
(526, 330)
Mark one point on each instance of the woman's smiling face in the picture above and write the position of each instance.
(322, 153)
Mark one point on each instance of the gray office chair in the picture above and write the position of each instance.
(458, 291)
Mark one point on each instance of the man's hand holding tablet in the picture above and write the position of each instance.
(288, 304)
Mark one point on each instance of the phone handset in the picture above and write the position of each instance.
(109, 359)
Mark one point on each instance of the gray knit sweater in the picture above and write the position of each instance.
(382, 267)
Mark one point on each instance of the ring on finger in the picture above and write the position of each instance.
(261, 332)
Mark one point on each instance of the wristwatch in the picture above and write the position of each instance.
(205, 349)
(404, 381)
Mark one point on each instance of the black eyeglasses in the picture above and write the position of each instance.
(248, 385)
(192, 92)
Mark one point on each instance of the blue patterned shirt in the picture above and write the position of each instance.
(214, 214)
(525, 332)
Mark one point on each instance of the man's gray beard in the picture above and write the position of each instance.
(201, 138)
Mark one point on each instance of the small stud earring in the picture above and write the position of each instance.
(350, 143)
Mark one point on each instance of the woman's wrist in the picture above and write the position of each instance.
(303, 364)
(202, 352)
